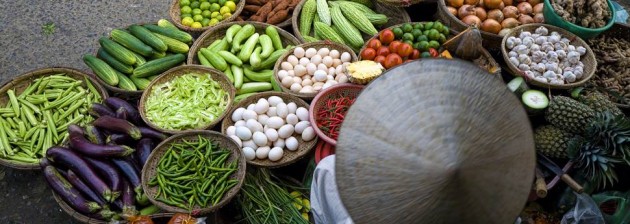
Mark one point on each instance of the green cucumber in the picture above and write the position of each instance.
(270, 61)
(221, 46)
(117, 51)
(228, 73)
(240, 97)
(203, 61)
(111, 61)
(534, 101)
(267, 46)
(237, 72)
(101, 69)
(252, 87)
(173, 45)
(274, 84)
(248, 47)
(166, 24)
(139, 59)
(262, 76)
(170, 32)
(230, 58)
(141, 83)
(229, 34)
(148, 37)
(272, 32)
(244, 33)
(255, 60)
(131, 42)
(215, 59)
(158, 66)
(125, 83)
(517, 86)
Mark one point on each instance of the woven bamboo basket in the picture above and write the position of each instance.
(218, 32)
(19, 83)
(89, 220)
(590, 64)
(175, 14)
(396, 15)
(491, 41)
(284, 24)
(149, 169)
(317, 45)
(402, 3)
(179, 71)
(289, 157)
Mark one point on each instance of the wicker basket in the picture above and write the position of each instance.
(149, 169)
(347, 90)
(289, 157)
(19, 83)
(85, 219)
(590, 64)
(491, 41)
(402, 3)
(396, 16)
(218, 32)
(317, 45)
(175, 14)
(179, 71)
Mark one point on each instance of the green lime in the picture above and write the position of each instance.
(224, 9)
(204, 5)
(219, 17)
(205, 22)
(416, 33)
(226, 15)
(407, 36)
(433, 35)
(187, 21)
(215, 7)
(422, 38)
(445, 31)
(197, 18)
(426, 54)
(418, 26)
(222, 2)
(185, 15)
(214, 14)
(186, 10)
(434, 44)
(196, 11)
(206, 13)
(410, 42)
(407, 28)
(426, 32)
(213, 21)
(416, 45)
(438, 26)
(423, 46)
(231, 5)
(442, 38)
(184, 3)
(202, 1)
(213, 1)
(196, 25)
(428, 25)
(195, 4)
(398, 32)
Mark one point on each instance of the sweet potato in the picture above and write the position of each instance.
(281, 5)
(265, 9)
(254, 2)
(251, 8)
(278, 17)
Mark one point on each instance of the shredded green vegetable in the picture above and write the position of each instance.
(186, 102)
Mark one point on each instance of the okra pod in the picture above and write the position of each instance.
(50, 122)
(30, 89)
(76, 119)
(4, 140)
(14, 102)
(69, 111)
(29, 116)
(40, 141)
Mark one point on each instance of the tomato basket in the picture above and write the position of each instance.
(345, 90)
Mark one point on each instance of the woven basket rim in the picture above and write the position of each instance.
(39, 73)
(212, 135)
(304, 147)
(442, 6)
(324, 94)
(174, 13)
(318, 45)
(216, 76)
(285, 36)
(589, 69)
(400, 3)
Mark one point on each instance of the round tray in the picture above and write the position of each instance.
(223, 141)
(20, 83)
(175, 14)
(289, 157)
(179, 71)
(317, 45)
(348, 90)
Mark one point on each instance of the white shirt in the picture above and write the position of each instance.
(326, 204)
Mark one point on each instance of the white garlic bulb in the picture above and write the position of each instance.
(542, 30)
(514, 61)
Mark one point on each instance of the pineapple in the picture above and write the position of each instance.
(597, 163)
(551, 141)
(362, 72)
(599, 102)
(568, 114)
(612, 132)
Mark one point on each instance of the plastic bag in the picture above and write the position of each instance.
(620, 12)
(585, 211)
(621, 213)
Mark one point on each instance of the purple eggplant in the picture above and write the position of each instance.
(116, 103)
(104, 214)
(94, 135)
(43, 163)
(75, 129)
(129, 170)
(83, 188)
(119, 139)
(143, 149)
(80, 144)
(68, 193)
(118, 204)
(108, 172)
(151, 133)
(122, 113)
(71, 160)
(118, 125)
(97, 110)
(128, 200)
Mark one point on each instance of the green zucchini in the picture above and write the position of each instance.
(173, 45)
(158, 66)
(148, 37)
(170, 32)
(131, 42)
(111, 61)
(101, 69)
(125, 83)
(117, 51)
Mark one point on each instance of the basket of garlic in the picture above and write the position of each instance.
(548, 56)
(272, 129)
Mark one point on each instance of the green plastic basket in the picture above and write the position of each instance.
(552, 18)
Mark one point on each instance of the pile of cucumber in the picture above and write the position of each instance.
(246, 57)
(135, 56)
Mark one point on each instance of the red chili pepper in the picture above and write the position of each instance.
(434, 53)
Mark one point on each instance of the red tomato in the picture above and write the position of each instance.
(382, 51)
(394, 46)
(415, 54)
(368, 54)
(380, 59)
(374, 44)
(386, 36)
(392, 60)
(434, 53)
(405, 50)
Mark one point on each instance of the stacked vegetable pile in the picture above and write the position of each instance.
(198, 14)
(248, 64)
(98, 174)
(311, 70)
(133, 57)
(38, 118)
(591, 13)
(613, 67)
(339, 21)
(268, 11)
(497, 16)
(329, 118)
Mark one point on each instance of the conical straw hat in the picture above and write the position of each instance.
(435, 141)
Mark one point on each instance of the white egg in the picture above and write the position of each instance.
(322, 67)
(342, 78)
(262, 119)
(292, 143)
(282, 110)
(274, 100)
(316, 59)
(230, 131)
(323, 51)
(275, 122)
(292, 107)
(296, 87)
(300, 126)
(334, 54)
(271, 112)
(307, 89)
(261, 106)
(262, 152)
(320, 75)
(304, 61)
(292, 119)
(237, 140)
(250, 143)
(239, 123)
(339, 69)
(266, 127)
(275, 154)
(285, 131)
(299, 52)
(260, 139)
(299, 70)
(293, 60)
(306, 77)
(254, 125)
(297, 80)
(286, 65)
(326, 85)
(279, 143)
(250, 114)
(328, 61)
(332, 71)
(291, 73)
(238, 114)
(272, 134)
(306, 83)
(317, 88)
(311, 68)
(249, 153)
(282, 74)
(308, 134)
(329, 77)
(345, 57)
(310, 52)
(337, 62)
(302, 113)
(243, 133)
(287, 81)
